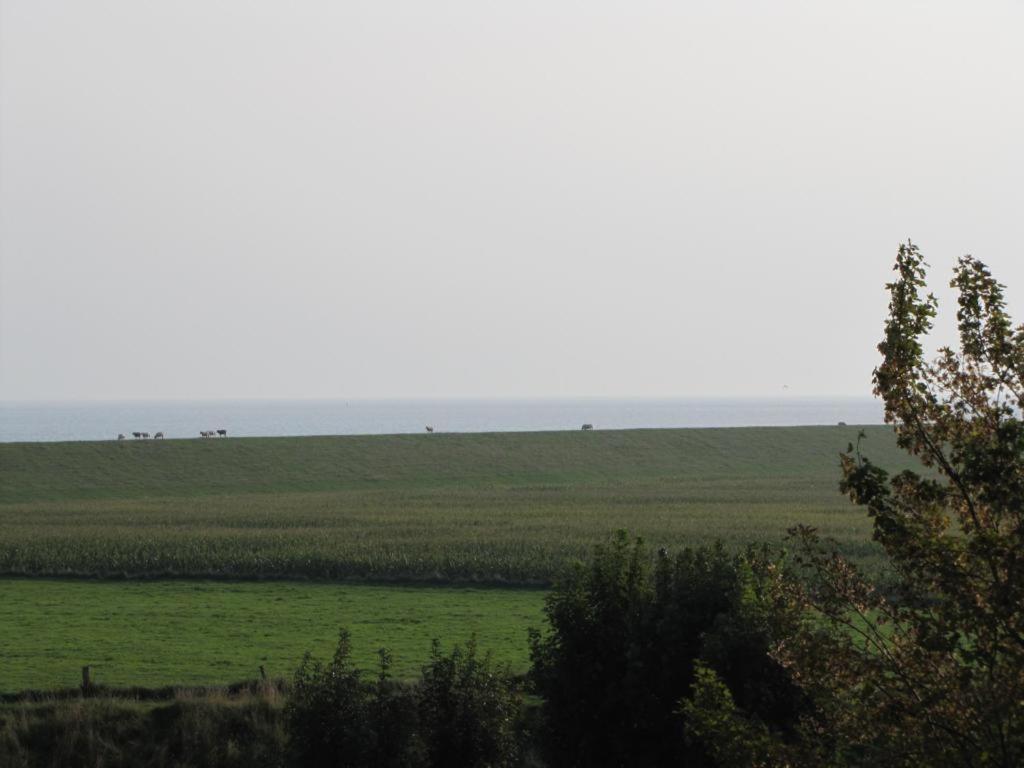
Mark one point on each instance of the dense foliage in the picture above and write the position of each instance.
(469, 710)
(932, 675)
(335, 718)
(464, 712)
(625, 641)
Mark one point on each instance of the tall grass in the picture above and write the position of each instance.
(213, 729)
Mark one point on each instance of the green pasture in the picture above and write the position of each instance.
(158, 633)
(507, 508)
(217, 556)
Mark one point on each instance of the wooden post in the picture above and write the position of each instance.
(263, 673)
(86, 680)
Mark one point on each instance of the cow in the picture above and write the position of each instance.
(120, 435)
(222, 433)
(430, 429)
(587, 427)
(158, 436)
(136, 435)
(145, 435)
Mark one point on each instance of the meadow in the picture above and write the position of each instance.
(191, 633)
(445, 508)
(193, 562)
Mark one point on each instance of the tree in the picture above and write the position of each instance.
(932, 674)
(624, 643)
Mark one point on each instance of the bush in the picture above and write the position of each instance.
(468, 710)
(463, 712)
(623, 646)
(335, 718)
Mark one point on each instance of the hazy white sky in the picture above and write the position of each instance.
(243, 198)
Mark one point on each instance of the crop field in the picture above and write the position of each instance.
(444, 508)
(158, 633)
(195, 561)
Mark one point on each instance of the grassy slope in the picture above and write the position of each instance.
(136, 469)
(492, 507)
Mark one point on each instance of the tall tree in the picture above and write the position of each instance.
(931, 674)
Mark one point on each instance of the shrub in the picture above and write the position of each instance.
(468, 710)
(335, 718)
(624, 641)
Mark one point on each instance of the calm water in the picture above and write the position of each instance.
(103, 421)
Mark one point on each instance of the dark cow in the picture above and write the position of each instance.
(222, 433)
(587, 427)
(430, 429)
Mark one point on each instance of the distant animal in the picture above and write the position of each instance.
(136, 435)
(430, 429)
(222, 433)
(120, 436)
(204, 433)
(587, 427)
(158, 436)
(145, 435)
(842, 423)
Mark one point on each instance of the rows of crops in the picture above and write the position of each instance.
(510, 508)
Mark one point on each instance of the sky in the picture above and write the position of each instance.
(464, 198)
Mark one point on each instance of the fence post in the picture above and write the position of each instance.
(86, 680)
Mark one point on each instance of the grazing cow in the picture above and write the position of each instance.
(430, 429)
(587, 427)
(158, 436)
(842, 423)
(222, 433)
(145, 435)
(120, 435)
(136, 435)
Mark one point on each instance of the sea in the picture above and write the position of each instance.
(62, 421)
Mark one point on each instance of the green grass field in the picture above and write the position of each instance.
(494, 508)
(159, 633)
(176, 524)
